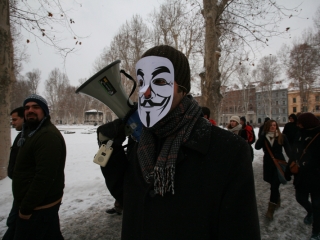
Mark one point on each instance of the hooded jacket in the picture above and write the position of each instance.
(214, 191)
(38, 176)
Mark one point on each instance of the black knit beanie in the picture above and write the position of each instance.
(308, 120)
(179, 61)
(243, 119)
(39, 100)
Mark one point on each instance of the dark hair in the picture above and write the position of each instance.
(19, 111)
(206, 111)
(294, 117)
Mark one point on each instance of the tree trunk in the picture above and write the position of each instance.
(6, 79)
(210, 79)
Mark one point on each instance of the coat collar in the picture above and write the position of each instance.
(199, 139)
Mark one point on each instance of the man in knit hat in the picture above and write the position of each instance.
(38, 176)
(185, 178)
(307, 181)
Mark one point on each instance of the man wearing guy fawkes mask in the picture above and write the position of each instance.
(174, 173)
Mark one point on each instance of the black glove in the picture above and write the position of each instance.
(112, 130)
(287, 172)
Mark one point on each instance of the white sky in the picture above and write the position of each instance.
(101, 20)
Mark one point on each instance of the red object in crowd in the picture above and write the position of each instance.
(213, 122)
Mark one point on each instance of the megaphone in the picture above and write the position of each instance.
(106, 87)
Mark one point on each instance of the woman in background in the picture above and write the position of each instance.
(276, 142)
(235, 127)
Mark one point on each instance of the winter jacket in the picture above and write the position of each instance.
(269, 168)
(290, 130)
(308, 176)
(38, 177)
(214, 191)
(13, 155)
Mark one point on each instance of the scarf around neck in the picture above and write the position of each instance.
(236, 129)
(271, 136)
(174, 129)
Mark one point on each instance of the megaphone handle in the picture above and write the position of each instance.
(134, 86)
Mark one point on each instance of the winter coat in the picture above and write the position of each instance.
(269, 168)
(214, 191)
(13, 155)
(308, 176)
(290, 130)
(38, 176)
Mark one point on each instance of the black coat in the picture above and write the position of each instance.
(214, 191)
(308, 176)
(269, 168)
(13, 155)
(290, 130)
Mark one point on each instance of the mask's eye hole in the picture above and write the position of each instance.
(140, 83)
(160, 82)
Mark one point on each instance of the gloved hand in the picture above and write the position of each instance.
(112, 131)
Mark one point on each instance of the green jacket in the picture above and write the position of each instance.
(38, 177)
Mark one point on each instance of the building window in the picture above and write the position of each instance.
(283, 94)
(294, 109)
(317, 108)
(294, 100)
(284, 119)
(317, 98)
(276, 102)
(283, 110)
(230, 109)
(276, 94)
(283, 102)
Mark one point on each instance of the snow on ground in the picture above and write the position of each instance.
(82, 214)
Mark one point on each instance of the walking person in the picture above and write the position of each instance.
(179, 182)
(291, 129)
(307, 180)
(250, 136)
(272, 139)
(38, 176)
(206, 113)
(17, 120)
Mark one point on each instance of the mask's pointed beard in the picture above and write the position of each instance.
(148, 118)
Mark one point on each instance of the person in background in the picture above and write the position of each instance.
(291, 129)
(206, 113)
(235, 127)
(262, 126)
(307, 180)
(38, 176)
(173, 186)
(276, 141)
(17, 120)
(250, 137)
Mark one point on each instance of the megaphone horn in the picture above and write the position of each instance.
(106, 87)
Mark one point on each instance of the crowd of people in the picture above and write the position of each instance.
(178, 181)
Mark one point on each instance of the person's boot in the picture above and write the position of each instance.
(308, 219)
(278, 203)
(271, 208)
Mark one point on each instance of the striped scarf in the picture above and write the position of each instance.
(175, 128)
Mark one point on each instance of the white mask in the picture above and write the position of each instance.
(158, 74)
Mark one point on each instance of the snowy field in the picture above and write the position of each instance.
(82, 214)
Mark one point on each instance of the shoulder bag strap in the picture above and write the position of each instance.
(276, 161)
(305, 150)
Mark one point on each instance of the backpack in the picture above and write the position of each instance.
(250, 134)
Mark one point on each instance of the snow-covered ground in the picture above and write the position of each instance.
(82, 214)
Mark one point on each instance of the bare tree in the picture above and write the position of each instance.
(20, 91)
(303, 67)
(268, 72)
(33, 80)
(250, 22)
(54, 89)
